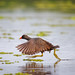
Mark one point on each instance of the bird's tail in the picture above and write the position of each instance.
(57, 46)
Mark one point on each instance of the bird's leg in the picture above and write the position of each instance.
(56, 54)
(36, 56)
(42, 54)
(57, 49)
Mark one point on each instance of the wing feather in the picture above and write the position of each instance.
(34, 46)
(42, 45)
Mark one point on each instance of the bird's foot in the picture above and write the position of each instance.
(56, 54)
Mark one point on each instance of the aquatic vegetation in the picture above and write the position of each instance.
(10, 38)
(42, 34)
(4, 60)
(6, 52)
(71, 18)
(9, 33)
(37, 60)
(9, 62)
(8, 74)
(21, 18)
(16, 61)
(63, 6)
(2, 63)
(1, 17)
(6, 33)
(68, 25)
(36, 24)
(19, 73)
(0, 57)
(7, 37)
(4, 37)
(4, 17)
(17, 55)
(1, 69)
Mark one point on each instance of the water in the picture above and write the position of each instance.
(62, 30)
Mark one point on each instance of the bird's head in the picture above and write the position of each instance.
(25, 37)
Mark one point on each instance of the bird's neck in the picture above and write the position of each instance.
(28, 38)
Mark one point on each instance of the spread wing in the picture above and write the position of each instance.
(42, 45)
(26, 48)
(34, 46)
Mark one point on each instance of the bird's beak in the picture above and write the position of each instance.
(20, 38)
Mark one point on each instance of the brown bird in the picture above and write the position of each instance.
(36, 45)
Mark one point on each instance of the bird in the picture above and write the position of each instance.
(36, 45)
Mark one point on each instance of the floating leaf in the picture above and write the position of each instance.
(19, 73)
(40, 60)
(67, 25)
(8, 74)
(4, 60)
(1, 69)
(9, 33)
(2, 63)
(1, 17)
(73, 18)
(42, 34)
(9, 62)
(0, 57)
(4, 33)
(10, 38)
(4, 37)
(16, 61)
(6, 52)
(17, 55)
(21, 18)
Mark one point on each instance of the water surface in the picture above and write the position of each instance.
(61, 31)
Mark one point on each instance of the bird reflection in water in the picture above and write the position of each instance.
(34, 68)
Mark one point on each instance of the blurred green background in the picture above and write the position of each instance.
(52, 5)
